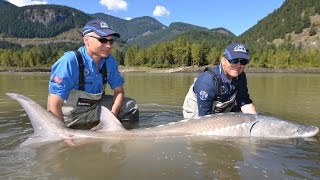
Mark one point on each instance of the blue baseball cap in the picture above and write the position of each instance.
(237, 50)
(100, 27)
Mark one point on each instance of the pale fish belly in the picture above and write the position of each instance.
(242, 130)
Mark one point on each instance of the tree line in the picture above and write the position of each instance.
(34, 56)
(183, 53)
(176, 53)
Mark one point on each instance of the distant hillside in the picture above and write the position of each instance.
(223, 31)
(43, 24)
(208, 36)
(173, 31)
(133, 28)
(40, 21)
(295, 20)
(36, 36)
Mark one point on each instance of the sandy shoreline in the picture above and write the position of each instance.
(190, 69)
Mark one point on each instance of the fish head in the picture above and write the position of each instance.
(281, 129)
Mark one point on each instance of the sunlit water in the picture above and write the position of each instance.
(294, 97)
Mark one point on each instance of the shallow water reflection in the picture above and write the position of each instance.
(294, 97)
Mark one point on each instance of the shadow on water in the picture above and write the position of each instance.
(167, 158)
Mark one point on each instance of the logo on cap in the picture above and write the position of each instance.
(104, 25)
(240, 48)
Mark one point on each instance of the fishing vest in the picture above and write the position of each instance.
(103, 71)
(218, 106)
(80, 104)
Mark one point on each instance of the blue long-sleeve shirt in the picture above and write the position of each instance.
(206, 90)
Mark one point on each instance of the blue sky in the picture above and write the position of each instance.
(236, 16)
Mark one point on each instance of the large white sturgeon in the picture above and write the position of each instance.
(47, 127)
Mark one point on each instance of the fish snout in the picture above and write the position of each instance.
(308, 131)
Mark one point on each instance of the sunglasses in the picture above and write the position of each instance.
(103, 40)
(236, 61)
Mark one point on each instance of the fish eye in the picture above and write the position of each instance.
(298, 131)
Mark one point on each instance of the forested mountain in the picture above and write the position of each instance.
(295, 18)
(174, 30)
(41, 21)
(133, 28)
(65, 23)
(287, 37)
(48, 21)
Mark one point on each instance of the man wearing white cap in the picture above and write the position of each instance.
(222, 88)
(78, 80)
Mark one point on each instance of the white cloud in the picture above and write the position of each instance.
(160, 11)
(128, 18)
(27, 2)
(114, 4)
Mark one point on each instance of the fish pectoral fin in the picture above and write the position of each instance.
(108, 122)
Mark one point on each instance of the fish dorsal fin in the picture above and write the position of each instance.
(108, 122)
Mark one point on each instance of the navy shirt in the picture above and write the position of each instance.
(65, 74)
(206, 90)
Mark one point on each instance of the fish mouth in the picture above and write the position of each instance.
(310, 131)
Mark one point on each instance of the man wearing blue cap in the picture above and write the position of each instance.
(222, 88)
(78, 80)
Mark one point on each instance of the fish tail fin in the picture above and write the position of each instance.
(45, 124)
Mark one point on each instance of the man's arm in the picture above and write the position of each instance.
(55, 105)
(118, 99)
(243, 98)
(205, 89)
(249, 108)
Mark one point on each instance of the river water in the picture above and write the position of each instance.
(290, 96)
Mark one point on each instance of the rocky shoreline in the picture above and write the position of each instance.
(196, 69)
(190, 69)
